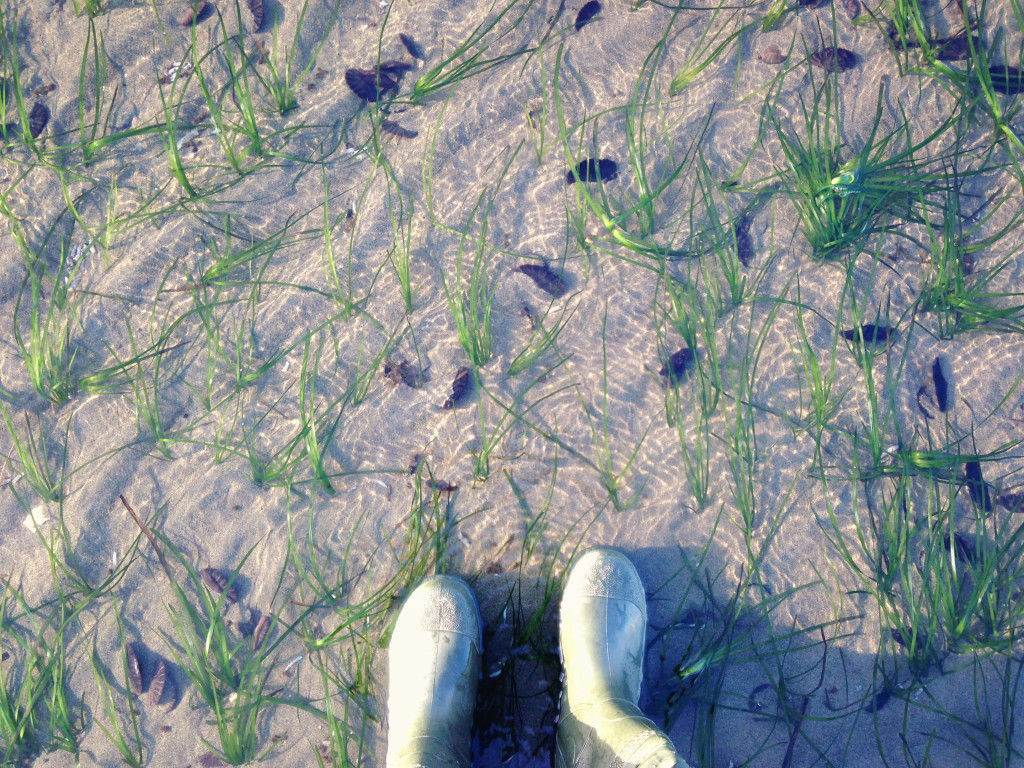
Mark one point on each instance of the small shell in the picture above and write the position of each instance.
(193, 14)
(134, 670)
(216, 581)
(37, 119)
(771, 55)
(260, 633)
(156, 687)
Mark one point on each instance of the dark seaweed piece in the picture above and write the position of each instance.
(1005, 79)
(194, 14)
(545, 278)
(134, 669)
(412, 47)
(368, 84)
(923, 390)
(678, 365)
(394, 68)
(256, 8)
(587, 14)
(954, 48)
(744, 243)
(964, 547)
(260, 633)
(754, 698)
(941, 386)
(593, 170)
(880, 700)
(216, 581)
(459, 388)
(977, 486)
(37, 119)
(873, 334)
(389, 126)
(527, 311)
(403, 373)
(852, 8)
(156, 687)
(210, 760)
(834, 59)
(443, 486)
(4, 656)
(1014, 502)
(414, 463)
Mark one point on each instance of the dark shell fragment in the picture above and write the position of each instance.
(678, 365)
(880, 700)
(459, 388)
(193, 14)
(834, 59)
(156, 687)
(941, 386)
(587, 14)
(1005, 79)
(134, 670)
(852, 8)
(260, 633)
(412, 47)
(593, 170)
(873, 334)
(976, 486)
(389, 126)
(369, 84)
(216, 581)
(545, 278)
(37, 119)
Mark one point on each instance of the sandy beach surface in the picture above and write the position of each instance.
(259, 343)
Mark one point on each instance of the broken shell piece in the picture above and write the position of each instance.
(156, 687)
(36, 519)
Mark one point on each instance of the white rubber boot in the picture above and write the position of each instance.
(434, 666)
(602, 635)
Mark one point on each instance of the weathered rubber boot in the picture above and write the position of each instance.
(434, 666)
(602, 639)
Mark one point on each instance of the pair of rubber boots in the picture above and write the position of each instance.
(434, 660)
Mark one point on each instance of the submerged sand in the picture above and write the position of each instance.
(476, 143)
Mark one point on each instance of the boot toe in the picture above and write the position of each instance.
(441, 604)
(603, 572)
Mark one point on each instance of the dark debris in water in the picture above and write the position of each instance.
(1006, 79)
(587, 14)
(593, 170)
(976, 486)
(678, 365)
(545, 278)
(834, 59)
(37, 119)
(412, 47)
(460, 387)
(369, 84)
(217, 582)
(404, 373)
(941, 385)
(389, 126)
(873, 334)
